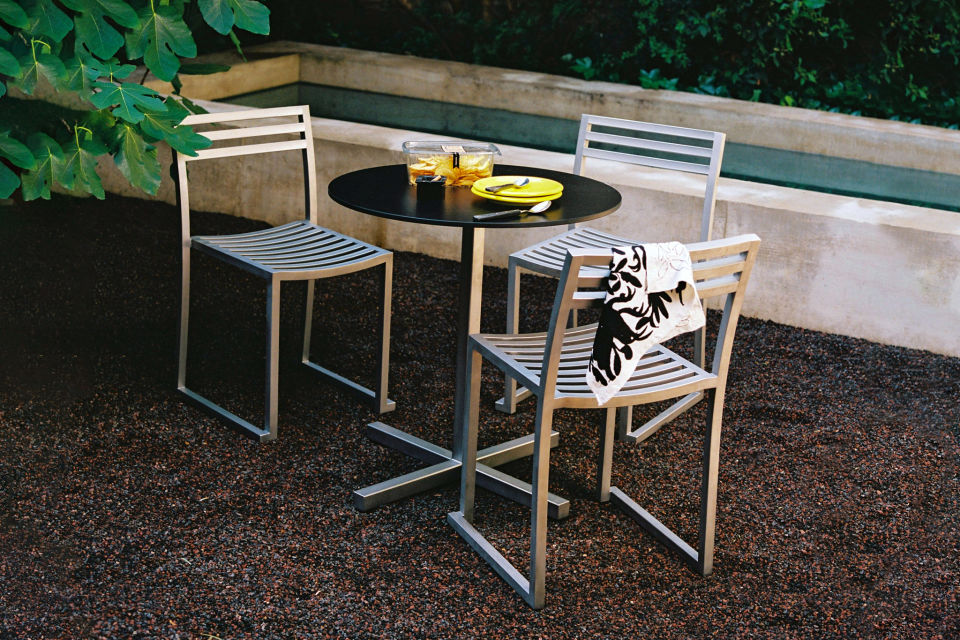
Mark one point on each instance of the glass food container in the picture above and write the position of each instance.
(461, 163)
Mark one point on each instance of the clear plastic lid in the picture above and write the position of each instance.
(449, 146)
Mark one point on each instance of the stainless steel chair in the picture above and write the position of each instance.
(553, 366)
(638, 143)
(298, 250)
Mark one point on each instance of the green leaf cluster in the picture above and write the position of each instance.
(882, 58)
(90, 48)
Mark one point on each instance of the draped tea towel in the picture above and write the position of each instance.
(650, 298)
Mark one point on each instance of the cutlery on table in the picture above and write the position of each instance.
(519, 182)
(540, 207)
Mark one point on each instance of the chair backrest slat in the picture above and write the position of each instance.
(656, 163)
(652, 127)
(658, 146)
(246, 114)
(247, 149)
(717, 287)
(587, 299)
(252, 132)
(648, 144)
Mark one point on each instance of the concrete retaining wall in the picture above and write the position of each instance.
(881, 271)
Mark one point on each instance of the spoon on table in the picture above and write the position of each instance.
(519, 182)
(540, 207)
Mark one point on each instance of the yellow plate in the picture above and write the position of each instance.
(500, 198)
(536, 188)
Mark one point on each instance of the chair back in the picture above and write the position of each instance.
(655, 145)
(234, 139)
(721, 269)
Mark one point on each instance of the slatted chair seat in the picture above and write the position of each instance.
(636, 143)
(659, 372)
(299, 250)
(296, 251)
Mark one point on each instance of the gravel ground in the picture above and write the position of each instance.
(125, 513)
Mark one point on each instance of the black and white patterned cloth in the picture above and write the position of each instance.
(650, 298)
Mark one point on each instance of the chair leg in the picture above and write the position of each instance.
(308, 320)
(232, 419)
(654, 424)
(184, 318)
(605, 461)
(538, 516)
(385, 404)
(701, 558)
(508, 403)
(699, 347)
(650, 427)
(708, 491)
(378, 395)
(533, 589)
(624, 420)
(273, 358)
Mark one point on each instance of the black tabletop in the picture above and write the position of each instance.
(385, 192)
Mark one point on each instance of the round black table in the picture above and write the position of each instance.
(386, 192)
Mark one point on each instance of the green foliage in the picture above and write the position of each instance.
(49, 156)
(19, 155)
(89, 48)
(882, 58)
(222, 15)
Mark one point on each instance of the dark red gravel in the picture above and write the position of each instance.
(125, 513)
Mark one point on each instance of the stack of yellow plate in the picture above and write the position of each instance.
(537, 190)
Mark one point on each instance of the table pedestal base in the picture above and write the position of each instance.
(445, 469)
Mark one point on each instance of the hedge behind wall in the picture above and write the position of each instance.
(895, 59)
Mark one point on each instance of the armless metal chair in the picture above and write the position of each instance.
(553, 366)
(637, 143)
(298, 250)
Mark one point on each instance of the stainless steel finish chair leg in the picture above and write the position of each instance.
(605, 459)
(624, 420)
(700, 559)
(508, 403)
(652, 425)
(385, 404)
(376, 397)
(533, 589)
(184, 317)
(273, 358)
(538, 515)
(708, 492)
(655, 528)
(308, 321)
(233, 420)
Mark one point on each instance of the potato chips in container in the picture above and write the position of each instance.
(461, 163)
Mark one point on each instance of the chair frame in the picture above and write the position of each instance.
(292, 252)
(537, 257)
(722, 269)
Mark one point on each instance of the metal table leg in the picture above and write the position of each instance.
(444, 467)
